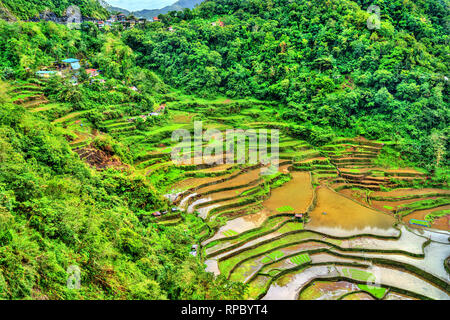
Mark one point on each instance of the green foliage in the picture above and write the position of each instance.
(323, 73)
(55, 212)
(333, 73)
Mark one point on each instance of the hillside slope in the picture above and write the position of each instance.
(321, 60)
(177, 6)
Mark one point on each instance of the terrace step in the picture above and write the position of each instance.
(35, 104)
(22, 101)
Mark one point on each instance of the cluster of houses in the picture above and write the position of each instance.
(126, 22)
(68, 67)
(144, 117)
(163, 213)
(219, 23)
(61, 68)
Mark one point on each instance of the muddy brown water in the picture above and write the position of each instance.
(193, 182)
(333, 210)
(297, 193)
(440, 224)
(407, 192)
(241, 179)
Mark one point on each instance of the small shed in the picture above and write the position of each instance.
(92, 72)
(45, 74)
(156, 214)
(121, 17)
(74, 63)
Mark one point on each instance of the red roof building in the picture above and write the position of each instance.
(161, 108)
(92, 72)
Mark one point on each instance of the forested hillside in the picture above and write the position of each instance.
(318, 57)
(85, 157)
(55, 211)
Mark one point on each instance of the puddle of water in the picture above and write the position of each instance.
(290, 290)
(242, 224)
(222, 167)
(433, 263)
(183, 203)
(325, 257)
(191, 207)
(192, 183)
(241, 179)
(297, 194)
(203, 212)
(397, 296)
(212, 266)
(405, 281)
(294, 282)
(345, 217)
(408, 242)
(327, 290)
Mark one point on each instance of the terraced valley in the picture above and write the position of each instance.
(327, 222)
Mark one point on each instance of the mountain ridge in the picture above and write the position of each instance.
(151, 13)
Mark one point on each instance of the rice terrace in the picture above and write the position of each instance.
(327, 215)
(232, 150)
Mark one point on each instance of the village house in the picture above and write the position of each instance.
(92, 72)
(71, 64)
(161, 108)
(45, 74)
(219, 23)
(121, 17)
(156, 214)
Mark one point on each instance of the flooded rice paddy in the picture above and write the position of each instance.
(347, 243)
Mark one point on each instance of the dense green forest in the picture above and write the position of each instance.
(333, 74)
(55, 211)
(328, 74)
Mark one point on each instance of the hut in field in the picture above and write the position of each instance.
(156, 214)
(71, 64)
(45, 74)
(92, 72)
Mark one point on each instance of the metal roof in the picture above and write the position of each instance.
(75, 65)
(70, 60)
